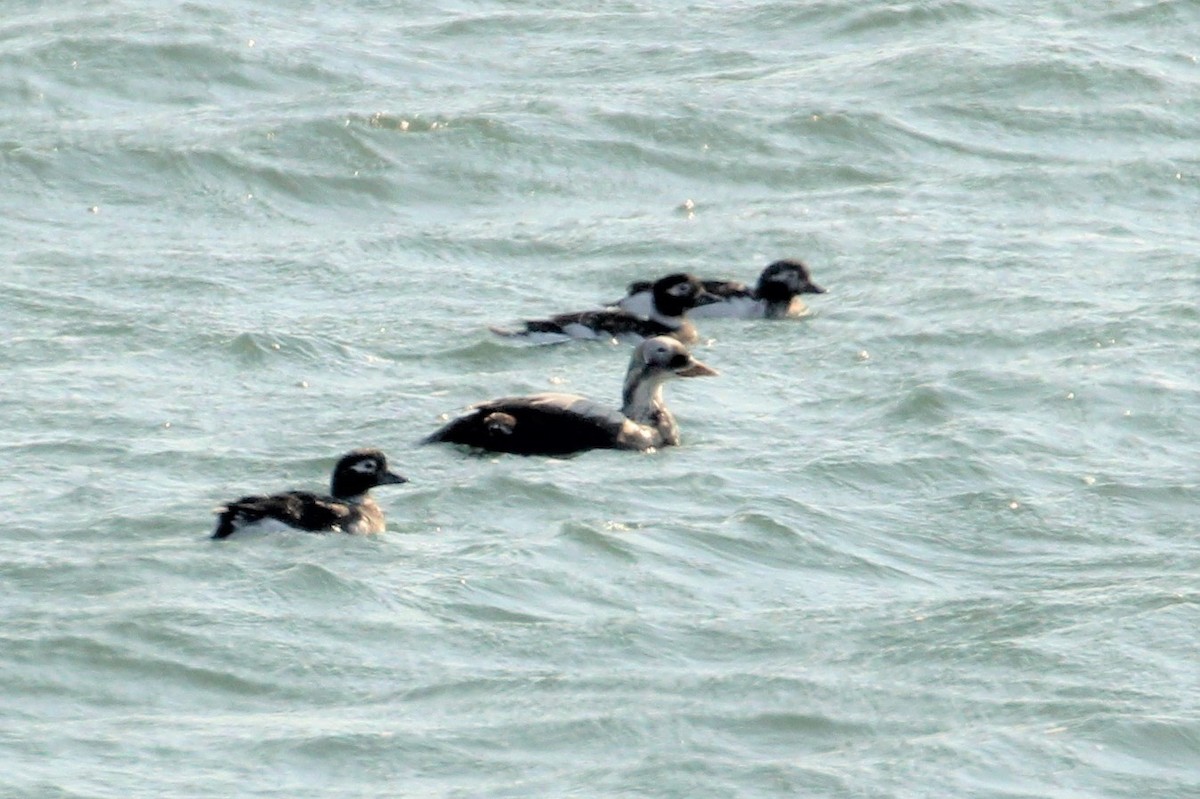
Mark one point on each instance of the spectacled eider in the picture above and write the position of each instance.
(563, 424)
(348, 508)
(664, 314)
(775, 296)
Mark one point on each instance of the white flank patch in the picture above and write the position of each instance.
(267, 526)
(732, 308)
(639, 304)
(576, 330)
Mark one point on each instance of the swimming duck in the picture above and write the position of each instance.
(563, 424)
(347, 509)
(775, 296)
(664, 312)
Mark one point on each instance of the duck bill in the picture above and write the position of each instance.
(391, 478)
(697, 369)
(812, 288)
(706, 297)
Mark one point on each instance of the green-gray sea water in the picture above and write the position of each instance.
(937, 539)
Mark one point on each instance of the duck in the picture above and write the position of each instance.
(566, 424)
(774, 297)
(667, 302)
(348, 508)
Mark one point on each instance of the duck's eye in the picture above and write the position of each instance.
(680, 290)
(365, 467)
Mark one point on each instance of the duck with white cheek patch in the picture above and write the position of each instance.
(665, 314)
(348, 508)
(775, 296)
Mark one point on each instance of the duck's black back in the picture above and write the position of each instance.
(302, 510)
(544, 424)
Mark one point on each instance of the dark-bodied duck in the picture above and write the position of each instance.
(347, 509)
(775, 296)
(666, 305)
(563, 424)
